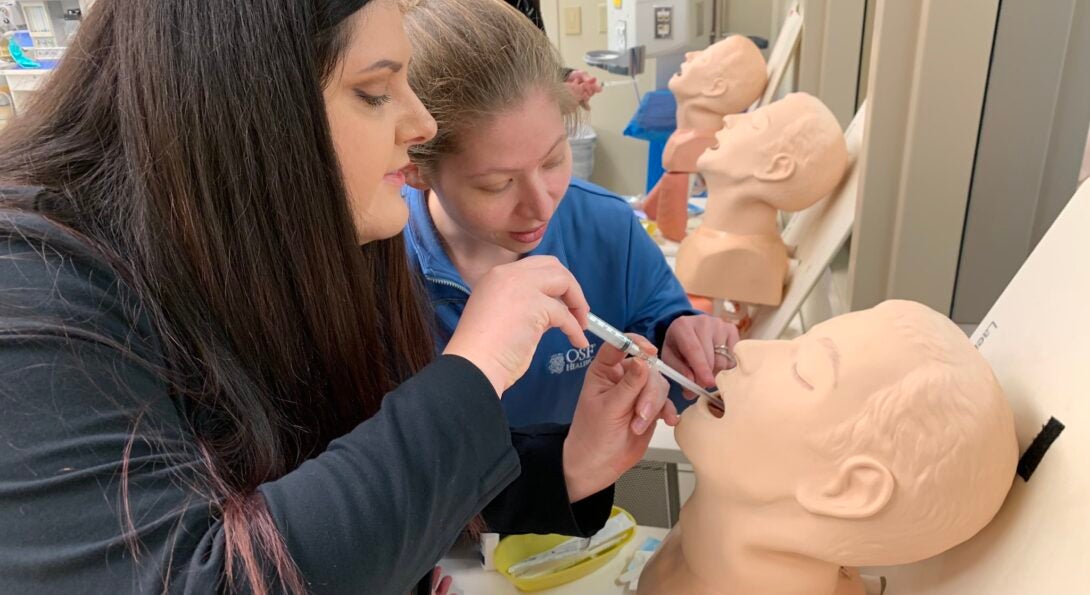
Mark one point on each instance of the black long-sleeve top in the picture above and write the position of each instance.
(371, 514)
(530, 8)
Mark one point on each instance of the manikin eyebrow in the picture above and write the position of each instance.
(834, 356)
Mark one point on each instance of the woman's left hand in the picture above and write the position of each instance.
(690, 347)
(614, 420)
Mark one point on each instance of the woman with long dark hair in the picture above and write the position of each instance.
(206, 383)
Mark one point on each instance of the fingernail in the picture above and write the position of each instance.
(639, 426)
(646, 410)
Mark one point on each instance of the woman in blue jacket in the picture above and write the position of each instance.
(495, 185)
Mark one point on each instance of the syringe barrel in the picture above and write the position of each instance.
(604, 331)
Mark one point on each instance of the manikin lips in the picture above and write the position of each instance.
(713, 408)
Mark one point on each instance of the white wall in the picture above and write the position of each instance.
(620, 161)
(747, 17)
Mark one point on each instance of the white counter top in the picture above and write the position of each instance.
(25, 71)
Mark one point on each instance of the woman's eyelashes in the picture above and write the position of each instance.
(375, 101)
(498, 188)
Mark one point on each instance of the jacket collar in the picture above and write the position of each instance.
(426, 246)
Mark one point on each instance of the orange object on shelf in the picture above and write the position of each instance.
(668, 205)
(704, 304)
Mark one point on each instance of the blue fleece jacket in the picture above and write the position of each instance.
(624, 276)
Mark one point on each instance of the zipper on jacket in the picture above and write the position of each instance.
(461, 288)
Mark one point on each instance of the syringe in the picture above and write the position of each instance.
(604, 331)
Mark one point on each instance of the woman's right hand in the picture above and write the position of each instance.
(614, 419)
(511, 307)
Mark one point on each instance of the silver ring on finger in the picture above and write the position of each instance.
(724, 351)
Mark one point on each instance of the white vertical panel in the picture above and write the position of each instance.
(926, 89)
(1034, 129)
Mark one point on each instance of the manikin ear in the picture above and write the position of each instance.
(718, 88)
(861, 488)
(779, 169)
(414, 178)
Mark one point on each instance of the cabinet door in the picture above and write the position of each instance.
(37, 19)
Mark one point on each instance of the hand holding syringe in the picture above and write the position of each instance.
(616, 338)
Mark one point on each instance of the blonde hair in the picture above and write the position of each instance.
(473, 59)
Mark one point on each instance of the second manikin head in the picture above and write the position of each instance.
(724, 78)
(788, 154)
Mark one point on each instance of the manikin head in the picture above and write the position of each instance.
(879, 437)
(789, 154)
(724, 78)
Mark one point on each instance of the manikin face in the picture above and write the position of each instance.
(374, 118)
(735, 156)
(695, 75)
(503, 187)
(788, 154)
(723, 69)
(783, 398)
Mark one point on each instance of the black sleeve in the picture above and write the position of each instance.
(79, 390)
(530, 8)
(375, 511)
(537, 502)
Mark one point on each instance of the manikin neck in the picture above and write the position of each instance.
(732, 210)
(691, 115)
(714, 542)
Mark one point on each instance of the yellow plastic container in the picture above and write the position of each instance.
(516, 548)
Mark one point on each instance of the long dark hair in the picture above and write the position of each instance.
(188, 140)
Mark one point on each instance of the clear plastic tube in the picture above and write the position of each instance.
(606, 332)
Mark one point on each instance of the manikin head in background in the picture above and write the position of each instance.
(785, 156)
(724, 78)
(788, 155)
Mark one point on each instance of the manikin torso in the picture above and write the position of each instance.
(763, 161)
(737, 253)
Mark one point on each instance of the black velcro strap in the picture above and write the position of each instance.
(1037, 449)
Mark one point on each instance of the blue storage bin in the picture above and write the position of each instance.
(23, 39)
(654, 121)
